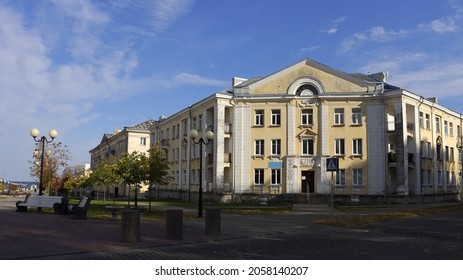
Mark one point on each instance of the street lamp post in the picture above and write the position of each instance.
(35, 133)
(208, 137)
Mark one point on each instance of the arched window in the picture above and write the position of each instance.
(307, 90)
(305, 86)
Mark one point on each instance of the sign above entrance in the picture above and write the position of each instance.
(332, 164)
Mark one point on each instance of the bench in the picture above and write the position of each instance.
(79, 211)
(39, 201)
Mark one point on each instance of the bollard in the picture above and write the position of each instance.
(130, 226)
(213, 224)
(174, 223)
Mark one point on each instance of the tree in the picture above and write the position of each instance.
(158, 167)
(56, 157)
(105, 175)
(133, 169)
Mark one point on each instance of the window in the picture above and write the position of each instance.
(194, 123)
(356, 116)
(446, 129)
(423, 149)
(447, 155)
(422, 175)
(451, 129)
(193, 151)
(307, 117)
(340, 177)
(357, 177)
(143, 141)
(339, 116)
(185, 127)
(173, 132)
(259, 148)
(276, 177)
(439, 178)
(307, 147)
(429, 178)
(258, 176)
(200, 122)
(259, 117)
(458, 131)
(437, 125)
(452, 154)
(439, 151)
(429, 150)
(193, 176)
(184, 177)
(276, 147)
(276, 117)
(357, 147)
(428, 122)
(421, 120)
(339, 147)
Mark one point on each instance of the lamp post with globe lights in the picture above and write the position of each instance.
(208, 137)
(35, 133)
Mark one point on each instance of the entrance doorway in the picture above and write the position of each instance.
(308, 181)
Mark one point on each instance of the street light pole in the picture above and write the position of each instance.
(209, 136)
(35, 133)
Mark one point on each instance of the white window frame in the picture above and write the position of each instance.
(356, 116)
(339, 116)
(307, 117)
(259, 116)
(259, 178)
(357, 177)
(339, 147)
(340, 177)
(308, 145)
(357, 147)
(276, 117)
(276, 147)
(259, 147)
(275, 179)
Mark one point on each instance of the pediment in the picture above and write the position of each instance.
(305, 78)
(307, 133)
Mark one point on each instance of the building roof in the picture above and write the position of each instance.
(142, 126)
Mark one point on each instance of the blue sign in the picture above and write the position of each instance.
(275, 164)
(332, 164)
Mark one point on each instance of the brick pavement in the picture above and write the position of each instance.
(284, 236)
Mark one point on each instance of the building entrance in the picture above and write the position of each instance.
(308, 181)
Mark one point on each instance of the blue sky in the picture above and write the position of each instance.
(88, 67)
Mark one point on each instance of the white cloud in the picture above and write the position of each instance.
(309, 49)
(192, 79)
(444, 25)
(334, 26)
(375, 34)
(165, 12)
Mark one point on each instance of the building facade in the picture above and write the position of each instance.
(113, 146)
(273, 136)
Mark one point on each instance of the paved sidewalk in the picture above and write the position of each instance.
(283, 236)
